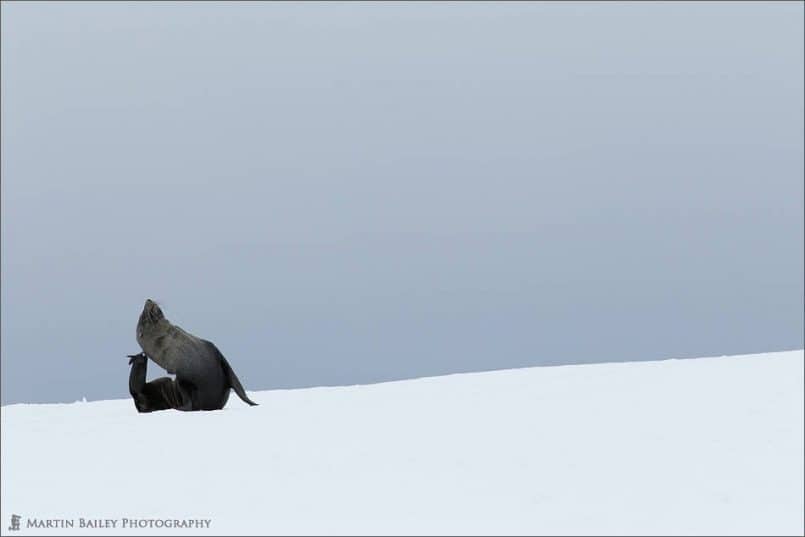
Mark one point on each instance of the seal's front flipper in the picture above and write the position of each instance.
(231, 378)
(235, 383)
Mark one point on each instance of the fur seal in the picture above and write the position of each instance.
(203, 376)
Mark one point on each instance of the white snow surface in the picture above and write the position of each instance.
(695, 446)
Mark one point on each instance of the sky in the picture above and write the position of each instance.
(343, 193)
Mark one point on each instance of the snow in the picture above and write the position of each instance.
(697, 446)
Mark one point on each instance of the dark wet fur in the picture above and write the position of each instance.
(204, 385)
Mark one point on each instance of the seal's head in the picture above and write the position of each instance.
(149, 322)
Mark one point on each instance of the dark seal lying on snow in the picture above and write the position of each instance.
(203, 376)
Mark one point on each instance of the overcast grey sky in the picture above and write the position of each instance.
(345, 192)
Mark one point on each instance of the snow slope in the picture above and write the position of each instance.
(704, 446)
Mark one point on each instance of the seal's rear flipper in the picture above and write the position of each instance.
(159, 394)
(133, 357)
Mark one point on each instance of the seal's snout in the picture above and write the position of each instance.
(152, 310)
